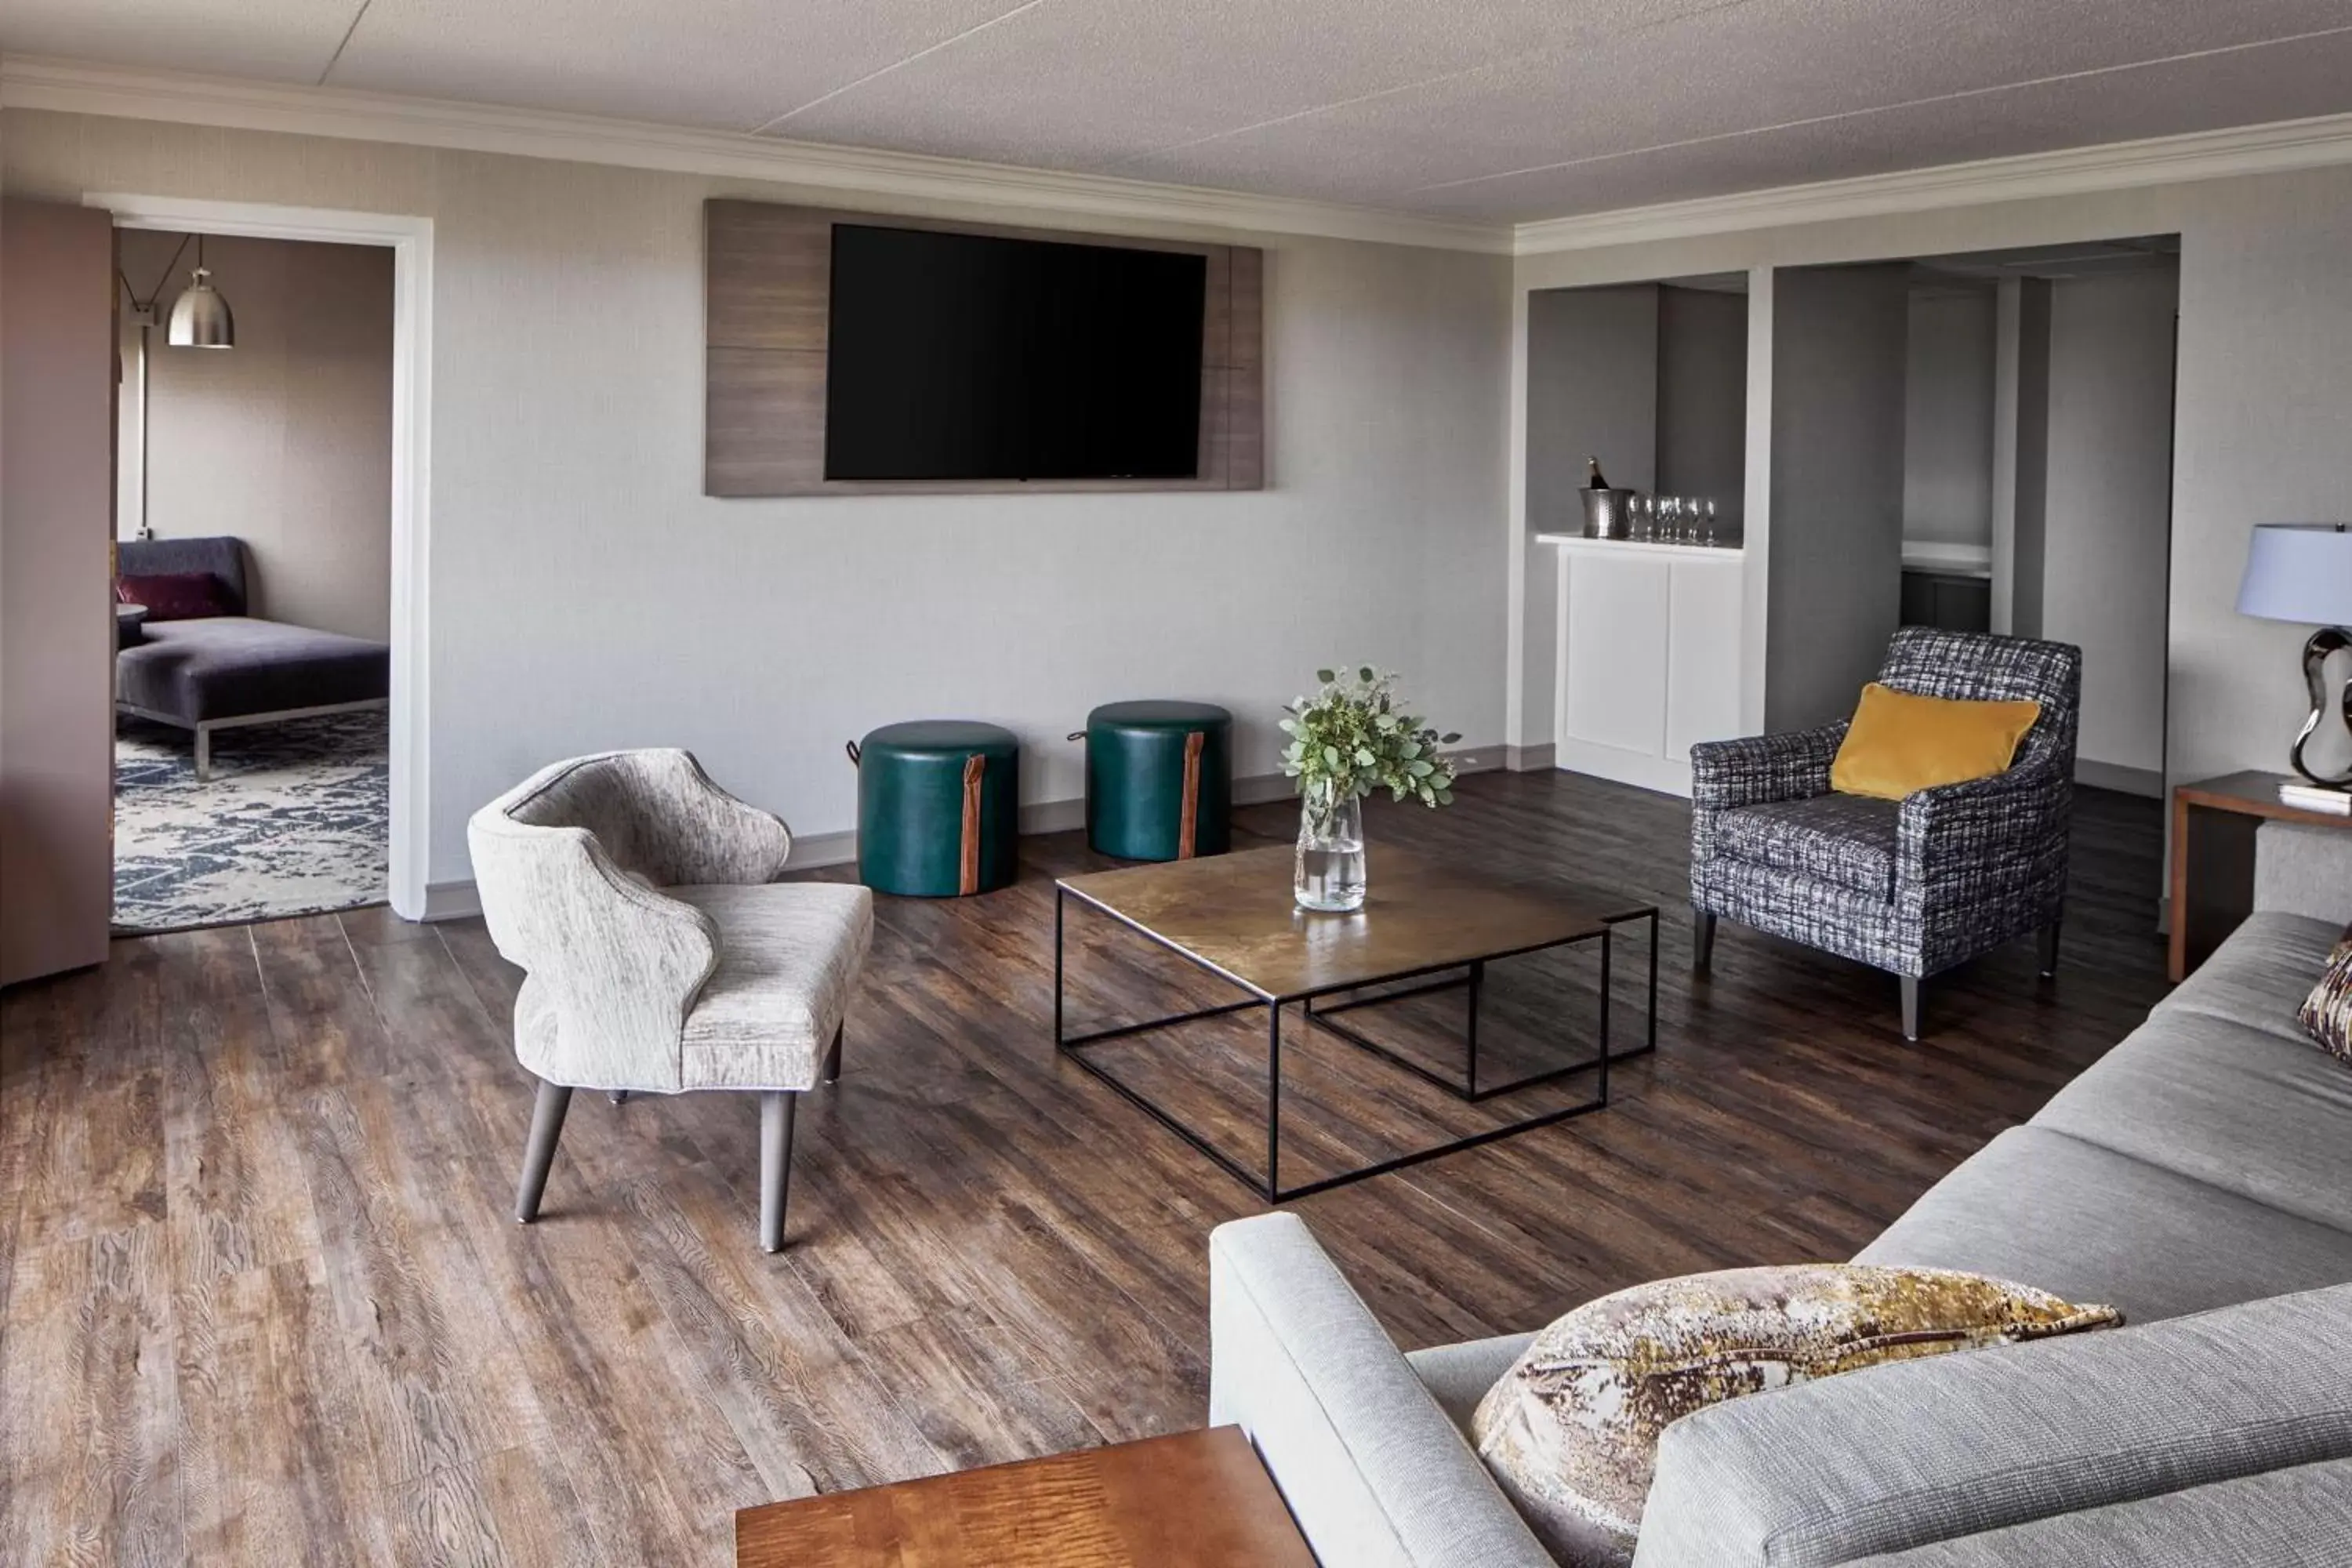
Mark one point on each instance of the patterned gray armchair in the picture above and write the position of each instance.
(1911, 887)
(661, 953)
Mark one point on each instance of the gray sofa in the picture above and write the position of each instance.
(2200, 1176)
(216, 671)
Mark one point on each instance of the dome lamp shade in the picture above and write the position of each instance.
(200, 317)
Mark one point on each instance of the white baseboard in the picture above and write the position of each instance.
(2116, 776)
(813, 849)
(1637, 768)
(1258, 789)
(1540, 758)
(452, 900)
(460, 900)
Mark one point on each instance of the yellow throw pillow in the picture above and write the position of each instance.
(1899, 743)
(1571, 1432)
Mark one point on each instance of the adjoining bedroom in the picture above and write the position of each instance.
(253, 578)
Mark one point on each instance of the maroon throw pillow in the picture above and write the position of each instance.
(176, 595)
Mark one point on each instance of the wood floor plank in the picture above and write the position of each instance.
(265, 1444)
(90, 1410)
(507, 1510)
(323, 1023)
(262, 1298)
(434, 1376)
(236, 1190)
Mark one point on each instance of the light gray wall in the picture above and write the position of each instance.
(584, 594)
(2265, 376)
(2109, 496)
(1702, 397)
(1949, 418)
(1836, 543)
(284, 440)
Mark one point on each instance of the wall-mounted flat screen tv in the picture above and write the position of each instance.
(963, 356)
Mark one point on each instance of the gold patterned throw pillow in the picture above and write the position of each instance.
(1571, 1431)
(2326, 1014)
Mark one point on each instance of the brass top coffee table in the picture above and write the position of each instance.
(1424, 921)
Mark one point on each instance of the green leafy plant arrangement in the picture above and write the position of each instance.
(1351, 737)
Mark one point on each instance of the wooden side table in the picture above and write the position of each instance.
(2214, 827)
(1198, 1499)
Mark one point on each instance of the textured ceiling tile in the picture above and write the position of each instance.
(2285, 81)
(1772, 63)
(273, 40)
(1482, 108)
(1084, 83)
(727, 64)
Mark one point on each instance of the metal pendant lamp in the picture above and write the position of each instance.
(200, 317)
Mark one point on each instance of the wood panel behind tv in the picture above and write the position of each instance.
(766, 299)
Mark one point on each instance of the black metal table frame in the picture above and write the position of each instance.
(1269, 1186)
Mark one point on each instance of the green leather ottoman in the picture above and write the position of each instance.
(1159, 780)
(939, 808)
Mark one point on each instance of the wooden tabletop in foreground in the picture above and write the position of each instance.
(1235, 913)
(1198, 1499)
(2253, 793)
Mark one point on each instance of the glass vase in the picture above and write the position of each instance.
(1329, 877)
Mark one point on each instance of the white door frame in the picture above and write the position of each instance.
(411, 241)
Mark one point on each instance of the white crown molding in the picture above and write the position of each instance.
(2121, 165)
(78, 88)
(72, 87)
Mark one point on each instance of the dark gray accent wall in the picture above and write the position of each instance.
(1702, 397)
(1840, 338)
(2032, 457)
(1592, 390)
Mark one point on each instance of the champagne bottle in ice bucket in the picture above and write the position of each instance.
(1604, 507)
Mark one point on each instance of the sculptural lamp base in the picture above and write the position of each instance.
(2325, 641)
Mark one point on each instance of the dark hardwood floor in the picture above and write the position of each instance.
(261, 1299)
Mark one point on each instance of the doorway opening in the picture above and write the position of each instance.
(1981, 442)
(385, 794)
(253, 560)
(2038, 470)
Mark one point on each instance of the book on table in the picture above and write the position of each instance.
(2316, 798)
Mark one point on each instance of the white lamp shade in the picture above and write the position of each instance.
(2299, 571)
(200, 317)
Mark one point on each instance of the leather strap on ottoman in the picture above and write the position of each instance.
(975, 769)
(1188, 825)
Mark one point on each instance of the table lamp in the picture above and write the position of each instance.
(2303, 572)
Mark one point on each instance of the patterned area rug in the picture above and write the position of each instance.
(292, 821)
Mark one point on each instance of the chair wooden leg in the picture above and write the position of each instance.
(1910, 1007)
(776, 1107)
(833, 1057)
(2049, 946)
(1702, 940)
(546, 1128)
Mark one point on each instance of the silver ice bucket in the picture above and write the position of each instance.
(1605, 514)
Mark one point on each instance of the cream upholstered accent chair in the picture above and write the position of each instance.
(661, 953)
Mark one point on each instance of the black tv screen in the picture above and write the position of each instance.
(961, 356)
